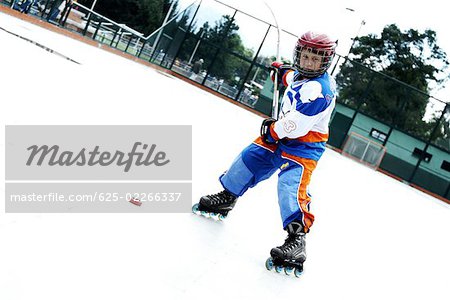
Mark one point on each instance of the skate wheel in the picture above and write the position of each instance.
(205, 214)
(269, 264)
(279, 269)
(214, 216)
(288, 270)
(195, 209)
(298, 272)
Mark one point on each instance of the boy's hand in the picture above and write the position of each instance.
(282, 70)
(265, 131)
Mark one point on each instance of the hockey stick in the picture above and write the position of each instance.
(276, 92)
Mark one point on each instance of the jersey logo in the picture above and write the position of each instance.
(289, 126)
(284, 166)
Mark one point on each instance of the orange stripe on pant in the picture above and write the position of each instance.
(271, 147)
(302, 196)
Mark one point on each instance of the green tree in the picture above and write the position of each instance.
(440, 122)
(411, 57)
(224, 36)
(144, 16)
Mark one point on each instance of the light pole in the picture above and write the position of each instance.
(93, 4)
(155, 43)
(196, 47)
(363, 22)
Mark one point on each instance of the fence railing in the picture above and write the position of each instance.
(229, 51)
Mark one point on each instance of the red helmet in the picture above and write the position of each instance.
(317, 43)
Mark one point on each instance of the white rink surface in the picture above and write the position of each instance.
(374, 237)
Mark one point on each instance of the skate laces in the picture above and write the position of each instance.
(291, 242)
(222, 198)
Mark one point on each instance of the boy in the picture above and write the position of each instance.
(293, 143)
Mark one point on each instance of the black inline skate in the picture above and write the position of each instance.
(215, 206)
(292, 254)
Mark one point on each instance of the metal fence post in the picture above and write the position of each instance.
(113, 38)
(64, 13)
(393, 123)
(128, 44)
(185, 36)
(97, 29)
(87, 25)
(251, 65)
(361, 101)
(142, 49)
(335, 65)
(45, 9)
(447, 193)
(422, 155)
(218, 49)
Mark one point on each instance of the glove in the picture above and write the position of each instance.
(282, 70)
(265, 131)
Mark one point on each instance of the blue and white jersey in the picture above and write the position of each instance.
(305, 113)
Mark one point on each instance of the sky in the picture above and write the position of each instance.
(333, 18)
(373, 238)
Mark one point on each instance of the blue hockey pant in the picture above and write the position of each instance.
(258, 162)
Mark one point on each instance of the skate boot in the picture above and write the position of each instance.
(292, 254)
(215, 206)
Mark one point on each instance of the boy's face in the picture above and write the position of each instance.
(310, 61)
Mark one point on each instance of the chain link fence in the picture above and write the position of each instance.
(229, 51)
